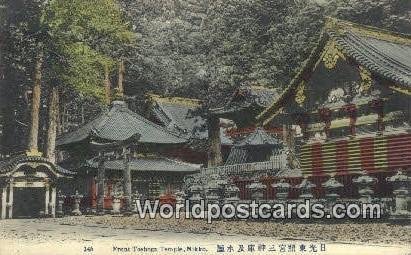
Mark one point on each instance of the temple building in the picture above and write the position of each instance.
(186, 117)
(349, 105)
(258, 153)
(244, 105)
(258, 146)
(122, 152)
(242, 108)
(28, 184)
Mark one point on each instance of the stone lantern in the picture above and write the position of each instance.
(60, 202)
(332, 187)
(76, 203)
(212, 192)
(365, 187)
(401, 183)
(232, 194)
(180, 197)
(306, 188)
(282, 188)
(196, 193)
(257, 190)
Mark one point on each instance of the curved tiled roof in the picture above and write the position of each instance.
(8, 165)
(181, 118)
(246, 97)
(385, 54)
(258, 138)
(119, 124)
(390, 60)
(156, 164)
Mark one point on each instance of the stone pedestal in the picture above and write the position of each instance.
(401, 183)
(365, 185)
(60, 202)
(76, 204)
(135, 199)
(116, 204)
(180, 198)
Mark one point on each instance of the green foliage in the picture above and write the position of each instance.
(204, 49)
(83, 69)
(77, 38)
(97, 22)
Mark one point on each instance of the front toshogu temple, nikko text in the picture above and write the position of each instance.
(340, 130)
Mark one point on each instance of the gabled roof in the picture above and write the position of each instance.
(385, 54)
(119, 124)
(179, 115)
(244, 151)
(7, 165)
(148, 164)
(259, 138)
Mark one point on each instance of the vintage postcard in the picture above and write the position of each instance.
(167, 127)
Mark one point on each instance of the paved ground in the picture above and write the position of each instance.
(51, 236)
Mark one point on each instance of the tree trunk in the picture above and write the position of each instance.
(35, 104)
(52, 127)
(214, 152)
(107, 85)
(120, 85)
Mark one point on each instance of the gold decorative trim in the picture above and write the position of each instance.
(366, 79)
(401, 89)
(175, 100)
(34, 153)
(331, 54)
(300, 94)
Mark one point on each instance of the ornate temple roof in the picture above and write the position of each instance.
(247, 149)
(119, 124)
(259, 138)
(248, 97)
(9, 164)
(384, 54)
(381, 52)
(149, 164)
(179, 115)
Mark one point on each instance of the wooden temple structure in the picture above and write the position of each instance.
(28, 184)
(350, 106)
(257, 152)
(188, 118)
(122, 154)
(341, 128)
